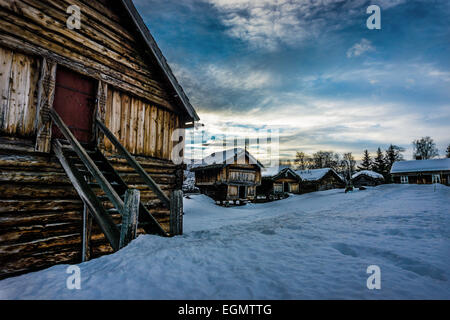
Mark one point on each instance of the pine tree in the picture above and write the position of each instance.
(366, 163)
(379, 164)
(448, 152)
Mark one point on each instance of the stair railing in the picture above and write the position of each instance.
(133, 163)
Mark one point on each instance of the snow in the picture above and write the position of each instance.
(310, 246)
(421, 165)
(312, 174)
(368, 173)
(227, 157)
(272, 171)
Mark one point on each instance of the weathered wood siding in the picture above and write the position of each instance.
(19, 74)
(41, 213)
(106, 47)
(143, 128)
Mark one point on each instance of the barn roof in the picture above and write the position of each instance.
(314, 174)
(421, 165)
(368, 173)
(284, 173)
(161, 60)
(220, 159)
(272, 171)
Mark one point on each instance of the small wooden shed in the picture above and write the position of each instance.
(319, 180)
(278, 185)
(86, 119)
(366, 178)
(231, 175)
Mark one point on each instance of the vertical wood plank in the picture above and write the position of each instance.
(109, 119)
(153, 134)
(29, 122)
(117, 117)
(102, 91)
(45, 102)
(87, 231)
(130, 216)
(133, 124)
(19, 93)
(6, 57)
(125, 119)
(160, 133)
(140, 128)
(147, 129)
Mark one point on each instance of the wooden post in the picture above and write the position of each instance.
(87, 227)
(176, 213)
(130, 216)
(100, 111)
(46, 95)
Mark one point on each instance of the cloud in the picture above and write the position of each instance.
(268, 24)
(359, 48)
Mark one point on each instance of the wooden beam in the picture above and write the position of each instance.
(46, 95)
(130, 217)
(87, 230)
(100, 112)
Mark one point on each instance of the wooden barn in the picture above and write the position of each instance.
(229, 176)
(276, 186)
(319, 180)
(86, 117)
(365, 178)
(422, 171)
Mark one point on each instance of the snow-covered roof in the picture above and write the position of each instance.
(421, 165)
(369, 173)
(313, 174)
(227, 157)
(272, 171)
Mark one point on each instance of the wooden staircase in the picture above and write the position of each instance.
(105, 194)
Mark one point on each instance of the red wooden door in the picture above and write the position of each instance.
(75, 103)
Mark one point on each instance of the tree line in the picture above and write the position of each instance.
(345, 164)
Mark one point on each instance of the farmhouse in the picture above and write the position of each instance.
(365, 178)
(422, 171)
(86, 121)
(276, 185)
(229, 175)
(319, 180)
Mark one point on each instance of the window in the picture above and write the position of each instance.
(404, 179)
(436, 178)
(278, 187)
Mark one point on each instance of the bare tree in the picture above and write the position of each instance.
(448, 152)
(302, 160)
(425, 148)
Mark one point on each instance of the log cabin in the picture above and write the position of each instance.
(229, 176)
(86, 121)
(319, 180)
(365, 178)
(276, 186)
(422, 171)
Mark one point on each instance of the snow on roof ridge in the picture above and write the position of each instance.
(369, 173)
(421, 165)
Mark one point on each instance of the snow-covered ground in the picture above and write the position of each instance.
(316, 246)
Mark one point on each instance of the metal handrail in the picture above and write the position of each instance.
(132, 162)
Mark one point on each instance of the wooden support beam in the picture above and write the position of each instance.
(102, 94)
(130, 217)
(176, 213)
(46, 95)
(87, 229)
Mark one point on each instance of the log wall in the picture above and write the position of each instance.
(41, 213)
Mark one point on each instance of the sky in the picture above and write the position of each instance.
(310, 70)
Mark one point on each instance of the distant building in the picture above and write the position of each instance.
(230, 175)
(319, 180)
(366, 178)
(422, 171)
(277, 184)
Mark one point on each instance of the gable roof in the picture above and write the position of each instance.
(315, 174)
(221, 159)
(272, 171)
(368, 173)
(421, 165)
(284, 173)
(162, 62)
